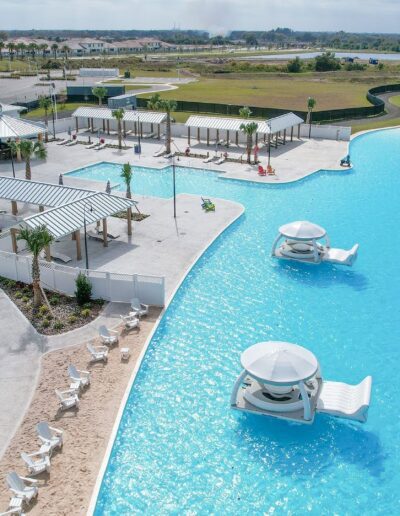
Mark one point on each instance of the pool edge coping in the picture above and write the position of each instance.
(114, 431)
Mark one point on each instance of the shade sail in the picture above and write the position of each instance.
(302, 230)
(12, 128)
(99, 113)
(279, 363)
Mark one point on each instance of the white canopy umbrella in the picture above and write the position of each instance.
(279, 363)
(302, 230)
(12, 128)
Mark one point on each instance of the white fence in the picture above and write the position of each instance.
(110, 286)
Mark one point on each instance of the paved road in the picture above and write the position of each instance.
(392, 112)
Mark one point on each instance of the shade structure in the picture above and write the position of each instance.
(279, 363)
(12, 128)
(101, 113)
(302, 230)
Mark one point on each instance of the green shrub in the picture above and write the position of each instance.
(10, 283)
(45, 323)
(83, 290)
(18, 294)
(27, 290)
(54, 300)
(58, 325)
(72, 319)
(85, 312)
(87, 305)
(25, 299)
(43, 310)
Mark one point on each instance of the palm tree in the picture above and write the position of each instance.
(168, 106)
(65, 50)
(28, 149)
(2, 45)
(43, 47)
(54, 48)
(126, 175)
(36, 240)
(245, 112)
(100, 92)
(32, 48)
(45, 103)
(311, 103)
(249, 128)
(118, 114)
(11, 49)
(21, 48)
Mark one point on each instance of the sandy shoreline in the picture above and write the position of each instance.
(68, 488)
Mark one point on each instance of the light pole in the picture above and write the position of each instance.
(84, 230)
(269, 145)
(173, 179)
(12, 158)
(139, 130)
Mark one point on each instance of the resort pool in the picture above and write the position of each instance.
(180, 449)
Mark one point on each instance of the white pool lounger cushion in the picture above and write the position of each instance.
(344, 400)
(341, 255)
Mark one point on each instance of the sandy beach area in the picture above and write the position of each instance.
(68, 487)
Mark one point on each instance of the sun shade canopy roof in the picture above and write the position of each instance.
(147, 117)
(41, 194)
(302, 230)
(11, 127)
(66, 219)
(271, 126)
(279, 363)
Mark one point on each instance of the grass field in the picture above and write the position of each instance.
(286, 92)
(356, 128)
(10, 66)
(395, 100)
(69, 106)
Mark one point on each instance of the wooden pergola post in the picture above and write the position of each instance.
(88, 123)
(284, 137)
(13, 232)
(14, 208)
(227, 138)
(104, 126)
(256, 138)
(108, 127)
(92, 125)
(237, 138)
(141, 129)
(124, 128)
(77, 237)
(135, 128)
(76, 124)
(298, 132)
(188, 135)
(159, 131)
(105, 241)
(217, 137)
(198, 134)
(151, 128)
(276, 141)
(291, 134)
(208, 136)
(129, 220)
(41, 208)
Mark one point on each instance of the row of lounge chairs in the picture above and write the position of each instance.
(96, 146)
(217, 160)
(24, 489)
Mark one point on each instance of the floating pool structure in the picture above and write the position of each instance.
(179, 448)
(302, 245)
(283, 380)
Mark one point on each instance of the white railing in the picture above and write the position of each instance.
(110, 286)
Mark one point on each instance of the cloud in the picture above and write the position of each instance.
(216, 16)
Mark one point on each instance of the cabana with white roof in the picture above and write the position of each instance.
(133, 121)
(10, 109)
(14, 128)
(274, 127)
(283, 380)
(301, 244)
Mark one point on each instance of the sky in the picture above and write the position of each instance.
(215, 16)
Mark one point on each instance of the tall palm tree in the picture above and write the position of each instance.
(311, 103)
(43, 47)
(168, 106)
(65, 50)
(153, 102)
(36, 240)
(20, 48)
(28, 149)
(100, 92)
(54, 48)
(118, 114)
(11, 49)
(32, 48)
(2, 45)
(245, 112)
(45, 103)
(249, 128)
(126, 175)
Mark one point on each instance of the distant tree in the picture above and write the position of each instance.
(295, 65)
(311, 103)
(245, 112)
(251, 40)
(43, 47)
(54, 48)
(45, 104)
(326, 62)
(28, 149)
(36, 240)
(153, 102)
(118, 114)
(11, 49)
(2, 45)
(100, 92)
(65, 50)
(126, 175)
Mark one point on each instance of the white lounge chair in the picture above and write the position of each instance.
(138, 307)
(220, 160)
(95, 235)
(343, 400)
(63, 142)
(130, 321)
(170, 155)
(79, 378)
(68, 398)
(98, 353)
(51, 437)
(72, 142)
(59, 256)
(35, 467)
(101, 146)
(110, 234)
(92, 145)
(341, 255)
(20, 489)
(108, 337)
(159, 153)
(15, 506)
(129, 131)
(209, 159)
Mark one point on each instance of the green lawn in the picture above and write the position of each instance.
(376, 124)
(395, 100)
(70, 106)
(286, 92)
(16, 65)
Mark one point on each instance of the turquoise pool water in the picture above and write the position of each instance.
(180, 449)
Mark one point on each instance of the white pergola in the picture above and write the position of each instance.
(133, 118)
(12, 128)
(268, 128)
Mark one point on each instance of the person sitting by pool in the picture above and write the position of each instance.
(345, 162)
(187, 151)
